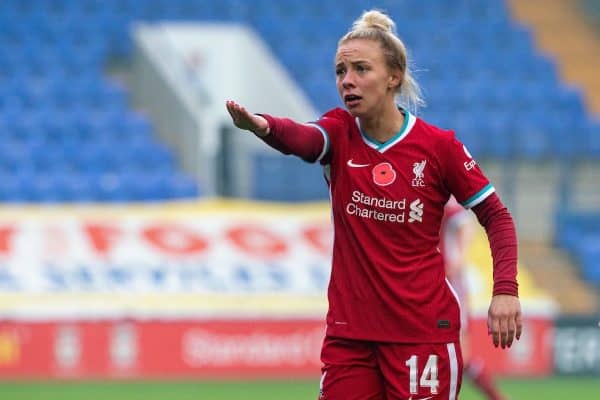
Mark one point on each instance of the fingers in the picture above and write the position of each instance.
(494, 329)
(510, 331)
(240, 116)
(230, 105)
(519, 325)
(503, 330)
(231, 112)
(243, 119)
(504, 335)
(235, 110)
(504, 321)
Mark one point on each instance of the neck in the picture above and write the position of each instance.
(383, 126)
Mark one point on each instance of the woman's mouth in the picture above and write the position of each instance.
(352, 100)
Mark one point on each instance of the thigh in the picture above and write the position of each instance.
(421, 371)
(350, 371)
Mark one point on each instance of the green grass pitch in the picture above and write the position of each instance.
(517, 389)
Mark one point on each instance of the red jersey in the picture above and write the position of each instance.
(388, 280)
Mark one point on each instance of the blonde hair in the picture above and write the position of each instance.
(377, 26)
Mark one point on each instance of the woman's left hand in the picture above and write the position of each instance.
(504, 320)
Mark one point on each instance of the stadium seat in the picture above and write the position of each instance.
(183, 186)
(589, 255)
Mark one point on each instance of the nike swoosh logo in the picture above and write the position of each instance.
(351, 164)
(424, 398)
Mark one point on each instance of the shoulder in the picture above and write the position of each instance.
(336, 122)
(338, 114)
(434, 133)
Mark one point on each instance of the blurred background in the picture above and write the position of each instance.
(148, 249)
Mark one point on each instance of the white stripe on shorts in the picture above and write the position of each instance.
(322, 380)
(453, 370)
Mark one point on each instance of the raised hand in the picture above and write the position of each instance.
(245, 120)
(504, 320)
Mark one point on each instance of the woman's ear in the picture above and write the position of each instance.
(395, 79)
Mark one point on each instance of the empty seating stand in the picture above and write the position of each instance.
(67, 132)
(480, 73)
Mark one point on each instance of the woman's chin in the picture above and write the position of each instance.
(356, 111)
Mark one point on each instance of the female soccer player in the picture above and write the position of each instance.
(393, 322)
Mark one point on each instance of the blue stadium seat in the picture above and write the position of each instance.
(265, 184)
(14, 186)
(578, 233)
(113, 187)
(182, 186)
(589, 255)
(502, 133)
(309, 183)
(533, 142)
(470, 133)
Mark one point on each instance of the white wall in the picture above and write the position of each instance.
(188, 71)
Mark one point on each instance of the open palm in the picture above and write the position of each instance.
(245, 120)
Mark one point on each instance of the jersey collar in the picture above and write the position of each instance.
(409, 122)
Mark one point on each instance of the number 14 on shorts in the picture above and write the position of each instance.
(429, 376)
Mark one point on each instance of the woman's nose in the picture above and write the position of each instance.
(348, 80)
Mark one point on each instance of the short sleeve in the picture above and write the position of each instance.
(332, 124)
(462, 175)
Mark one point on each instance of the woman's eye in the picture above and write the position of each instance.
(339, 71)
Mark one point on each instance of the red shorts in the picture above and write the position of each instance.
(362, 370)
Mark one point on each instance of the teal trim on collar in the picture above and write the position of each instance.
(404, 129)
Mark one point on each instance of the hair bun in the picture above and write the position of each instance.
(374, 19)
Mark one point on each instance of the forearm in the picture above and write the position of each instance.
(500, 228)
(290, 137)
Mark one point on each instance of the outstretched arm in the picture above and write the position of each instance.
(283, 134)
(504, 314)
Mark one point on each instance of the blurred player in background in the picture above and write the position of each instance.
(393, 322)
(455, 237)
